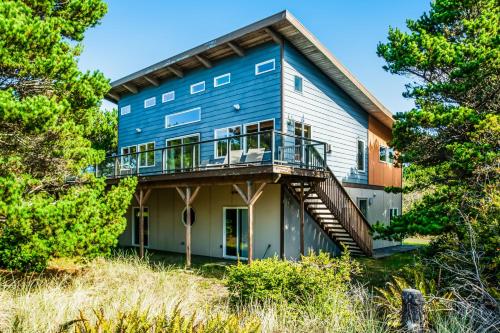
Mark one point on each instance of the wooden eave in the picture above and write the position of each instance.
(280, 25)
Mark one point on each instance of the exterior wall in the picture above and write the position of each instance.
(334, 117)
(167, 232)
(380, 173)
(378, 209)
(258, 95)
(315, 239)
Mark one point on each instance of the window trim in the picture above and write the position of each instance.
(127, 107)
(217, 141)
(195, 84)
(224, 232)
(364, 155)
(129, 154)
(164, 100)
(221, 76)
(181, 112)
(139, 154)
(258, 130)
(148, 100)
(358, 199)
(133, 226)
(301, 91)
(257, 72)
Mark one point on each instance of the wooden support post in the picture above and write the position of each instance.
(142, 198)
(250, 198)
(412, 319)
(188, 199)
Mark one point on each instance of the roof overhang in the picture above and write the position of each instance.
(273, 28)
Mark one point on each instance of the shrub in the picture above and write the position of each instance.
(286, 281)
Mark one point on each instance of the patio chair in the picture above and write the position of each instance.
(254, 156)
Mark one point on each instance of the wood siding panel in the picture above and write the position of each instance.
(258, 95)
(334, 117)
(380, 173)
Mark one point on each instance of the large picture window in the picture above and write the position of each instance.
(183, 118)
(129, 157)
(135, 225)
(221, 146)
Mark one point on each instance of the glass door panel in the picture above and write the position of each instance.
(243, 233)
(236, 232)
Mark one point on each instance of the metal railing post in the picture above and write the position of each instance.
(228, 153)
(273, 146)
(324, 156)
(116, 167)
(163, 160)
(137, 163)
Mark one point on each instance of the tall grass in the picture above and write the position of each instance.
(105, 294)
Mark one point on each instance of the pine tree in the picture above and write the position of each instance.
(49, 122)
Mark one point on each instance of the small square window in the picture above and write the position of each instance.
(222, 80)
(149, 102)
(298, 83)
(125, 110)
(265, 67)
(383, 154)
(197, 87)
(168, 96)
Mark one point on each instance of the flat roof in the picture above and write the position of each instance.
(273, 28)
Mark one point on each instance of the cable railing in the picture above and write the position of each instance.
(251, 149)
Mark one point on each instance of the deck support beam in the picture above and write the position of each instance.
(188, 197)
(250, 198)
(142, 197)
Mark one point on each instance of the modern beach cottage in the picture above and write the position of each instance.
(255, 144)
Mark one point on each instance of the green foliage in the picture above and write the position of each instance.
(141, 322)
(278, 280)
(451, 139)
(51, 130)
(389, 298)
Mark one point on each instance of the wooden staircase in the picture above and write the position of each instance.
(334, 211)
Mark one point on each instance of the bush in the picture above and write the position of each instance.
(285, 281)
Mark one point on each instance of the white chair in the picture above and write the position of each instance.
(254, 155)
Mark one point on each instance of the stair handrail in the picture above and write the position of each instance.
(360, 234)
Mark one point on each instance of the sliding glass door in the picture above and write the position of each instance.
(236, 233)
(182, 153)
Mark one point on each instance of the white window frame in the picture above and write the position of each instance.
(391, 210)
(222, 76)
(133, 226)
(358, 199)
(147, 102)
(197, 84)
(224, 232)
(125, 110)
(129, 154)
(139, 154)
(257, 72)
(182, 137)
(364, 155)
(217, 141)
(258, 130)
(178, 113)
(295, 77)
(165, 96)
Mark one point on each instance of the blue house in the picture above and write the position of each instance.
(255, 144)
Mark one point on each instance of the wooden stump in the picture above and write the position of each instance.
(412, 318)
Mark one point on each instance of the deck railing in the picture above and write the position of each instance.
(252, 149)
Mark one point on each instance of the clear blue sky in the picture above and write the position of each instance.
(136, 34)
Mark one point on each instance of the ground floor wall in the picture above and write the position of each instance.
(167, 232)
(379, 205)
(315, 239)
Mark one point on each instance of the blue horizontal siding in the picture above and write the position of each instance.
(335, 118)
(258, 95)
